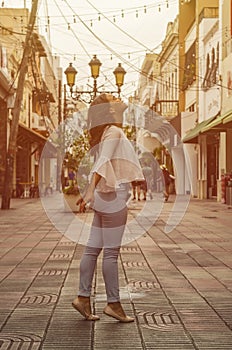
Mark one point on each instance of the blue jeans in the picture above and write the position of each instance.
(106, 233)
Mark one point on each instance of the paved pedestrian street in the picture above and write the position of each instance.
(178, 285)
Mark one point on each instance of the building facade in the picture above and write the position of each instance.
(37, 116)
(205, 99)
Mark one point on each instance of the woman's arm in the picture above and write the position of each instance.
(89, 195)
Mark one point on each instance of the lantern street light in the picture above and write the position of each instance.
(95, 65)
(70, 73)
(119, 73)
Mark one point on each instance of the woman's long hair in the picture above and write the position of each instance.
(100, 116)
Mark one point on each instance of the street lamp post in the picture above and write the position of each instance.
(95, 65)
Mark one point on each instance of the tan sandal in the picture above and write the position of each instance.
(85, 310)
(109, 312)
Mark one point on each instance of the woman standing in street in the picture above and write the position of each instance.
(116, 166)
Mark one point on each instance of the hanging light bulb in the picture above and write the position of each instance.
(91, 23)
(99, 17)
(122, 13)
(137, 14)
(145, 9)
(74, 19)
(167, 4)
(159, 8)
(69, 26)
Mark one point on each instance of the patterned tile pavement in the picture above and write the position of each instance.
(178, 285)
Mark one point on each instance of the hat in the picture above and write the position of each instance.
(104, 110)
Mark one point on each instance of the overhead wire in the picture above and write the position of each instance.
(132, 52)
(111, 50)
(132, 66)
(116, 26)
(122, 12)
(101, 41)
(83, 47)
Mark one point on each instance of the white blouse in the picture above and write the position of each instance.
(117, 162)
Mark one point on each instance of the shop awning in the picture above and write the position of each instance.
(193, 134)
(27, 135)
(215, 125)
(228, 119)
(31, 135)
(218, 124)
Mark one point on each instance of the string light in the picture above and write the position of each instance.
(122, 15)
(122, 12)
(129, 53)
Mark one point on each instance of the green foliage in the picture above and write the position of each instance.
(130, 132)
(71, 190)
(78, 150)
(157, 152)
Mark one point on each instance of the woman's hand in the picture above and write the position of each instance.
(82, 204)
(88, 198)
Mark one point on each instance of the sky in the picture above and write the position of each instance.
(116, 31)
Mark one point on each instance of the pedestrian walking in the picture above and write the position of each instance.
(147, 184)
(71, 177)
(168, 178)
(116, 166)
(136, 189)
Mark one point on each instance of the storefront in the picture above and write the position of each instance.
(206, 163)
(29, 147)
(6, 91)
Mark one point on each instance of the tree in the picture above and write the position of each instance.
(77, 158)
(11, 151)
(78, 150)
